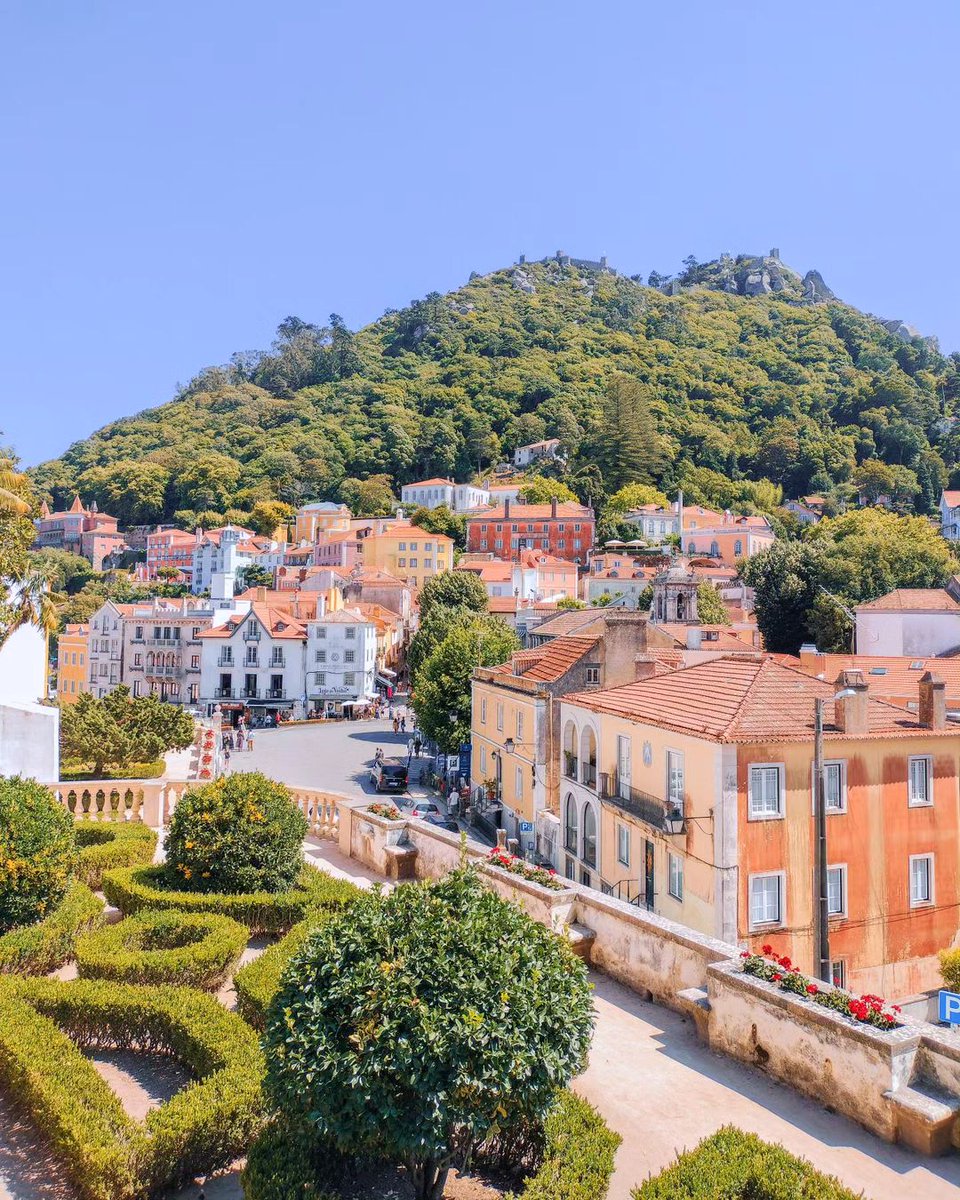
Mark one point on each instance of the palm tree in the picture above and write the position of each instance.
(12, 482)
(29, 603)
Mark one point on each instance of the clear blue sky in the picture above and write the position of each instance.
(178, 177)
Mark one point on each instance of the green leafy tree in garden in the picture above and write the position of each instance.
(541, 490)
(442, 684)
(635, 495)
(37, 853)
(371, 497)
(267, 516)
(423, 1021)
(710, 607)
(120, 729)
(453, 589)
(441, 520)
(786, 580)
(254, 576)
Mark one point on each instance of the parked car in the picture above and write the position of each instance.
(389, 776)
(424, 809)
(442, 822)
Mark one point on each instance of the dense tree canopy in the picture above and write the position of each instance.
(119, 729)
(714, 392)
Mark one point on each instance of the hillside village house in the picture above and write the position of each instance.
(724, 535)
(72, 677)
(523, 456)
(338, 548)
(84, 531)
(171, 549)
(254, 663)
(534, 575)
(341, 662)
(950, 515)
(892, 678)
(918, 621)
(162, 647)
(654, 522)
(408, 552)
(431, 493)
(727, 748)
(321, 516)
(562, 529)
(105, 647)
(228, 551)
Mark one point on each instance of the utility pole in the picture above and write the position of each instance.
(820, 903)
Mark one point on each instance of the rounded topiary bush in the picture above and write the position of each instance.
(241, 833)
(192, 949)
(416, 1024)
(37, 853)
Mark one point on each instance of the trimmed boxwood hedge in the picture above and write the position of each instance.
(104, 845)
(41, 948)
(193, 949)
(258, 982)
(44, 1027)
(740, 1166)
(137, 888)
(575, 1148)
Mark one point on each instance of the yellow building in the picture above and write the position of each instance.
(408, 552)
(324, 515)
(72, 676)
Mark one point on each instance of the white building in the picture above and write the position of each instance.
(431, 493)
(29, 730)
(523, 456)
(254, 663)
(105, 647)
(919, 622)
(950, 516)
(341, 661)
(222, 553)
(654, 522)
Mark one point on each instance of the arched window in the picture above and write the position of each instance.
(681, 606)
(570, 750)
(589, 855)
(714, 549)
(570, 826)
(588, 757)
(150, 661)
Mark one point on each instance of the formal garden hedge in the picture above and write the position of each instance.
(258, 982)
(43, 947)
(571, 1158)
(103, 845)
(192, 949)
(740, 1166)
(137, 888)
(45, 1026)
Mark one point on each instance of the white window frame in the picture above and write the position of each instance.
(842, 910)
(841, 765)
(675, 771)
(752, 813)
(518, 782)
(838, 972)
(927, 802)
(675, 876)
(483, 710)
(930, 899)
(781, 918)
(499, 716)
(623, 844)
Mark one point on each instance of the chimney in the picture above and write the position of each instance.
(553, 507)
(644, 667)
(933, 701)
(811, 660)
(261, 594)
(694, 637)
(506, 508)
(850, 712)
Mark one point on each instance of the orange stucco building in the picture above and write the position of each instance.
(72, 668)
(729, 744)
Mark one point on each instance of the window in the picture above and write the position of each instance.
(675, 779)
(766, 899)
(156, 632)
(570, 826)
(195, 662)
(483, 759)
(321, 678)
(483, 710)
(738, 547)
(518, 782)
(675, 876)
(765, 801)
(321, 631)
(919, 773)
(921, 879)
(593, 674)
(138, 633)
(623, 844)
(413, 562)
(137, 660)
(499, 715)
(401, 562)
(401, 545)
(350, 678)
(589, 854)
(835, 786)
(837, 891)
(196, 632)
(838, 973)
(351, 632)
(136, 687)
(519, 724)
(349, 656)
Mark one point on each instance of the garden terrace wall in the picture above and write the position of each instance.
(867, 1075)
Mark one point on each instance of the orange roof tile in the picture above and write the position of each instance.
(437, 482)
(567, 510)
(555, 658)
(409, 531)
(912, 600)
(887, 677)
(726, 639)
(278, 622)
(743, 700)
(952, 499)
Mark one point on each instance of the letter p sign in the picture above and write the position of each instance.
(950, 1008)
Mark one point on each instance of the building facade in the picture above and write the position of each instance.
(320, 517)
(724, 536)
(562, 529)
(253, 664)
(171, 549)
(523, 456)
(341, 662)
(408, 553)
(105, 647)
(909, 621)
(431, 493)
(162, 648)
(79, 530)
(73, 678)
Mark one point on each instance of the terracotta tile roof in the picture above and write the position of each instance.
(892, 678)
(373, 575)
(588, 621)
(726, 639)
(555, 659)
(952, 499)
(539, 558)
(912, 600)
(344, 616)
(744, 700)
(502, 604)
(566, 511)
(278, 622)
(497, 571)
(432, 483)
(409, 531)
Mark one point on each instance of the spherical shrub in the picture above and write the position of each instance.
(241, 833)
(190, 949)
(37, 853)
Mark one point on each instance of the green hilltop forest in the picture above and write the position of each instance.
(741, 399)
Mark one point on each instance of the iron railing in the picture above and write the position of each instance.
(223, 693)
(632, 800)
(588, 775)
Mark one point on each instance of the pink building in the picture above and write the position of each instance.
(335, 548)
(79, 530)
(170, 548)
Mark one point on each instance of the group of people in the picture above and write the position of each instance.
(238, 739)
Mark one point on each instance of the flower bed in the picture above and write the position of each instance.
(518, 866)
(137, 888)
(193, 949)
(44, 1027)
(38, 949)
(103, 845)
(390, 811)
(866, 1010)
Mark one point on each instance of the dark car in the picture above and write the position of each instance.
(389, 776)
(442, 822)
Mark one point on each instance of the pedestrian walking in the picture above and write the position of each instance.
(226, 762)
(249, 742)
(240, 738)
(453, 801)
(396, 724)
(416, 746)
(403, 724)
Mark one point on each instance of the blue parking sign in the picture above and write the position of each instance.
(950, 1008)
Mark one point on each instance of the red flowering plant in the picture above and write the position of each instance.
(498, 857)
(777, 969)
(390, 811)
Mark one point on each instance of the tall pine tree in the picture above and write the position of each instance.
(628, 446)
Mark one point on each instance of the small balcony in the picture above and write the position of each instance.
(278, 663)
(631, 800)
(570, 766)
(225, 660)
(223, 693)
(253, 662)
(275, 693)
(251, 635)
(250, 693)
(588, 775)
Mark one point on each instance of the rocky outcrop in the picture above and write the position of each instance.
(906, 333)
(814, 289)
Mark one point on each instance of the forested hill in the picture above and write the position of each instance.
(724, 388)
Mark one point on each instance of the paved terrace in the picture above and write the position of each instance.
(649, 1075)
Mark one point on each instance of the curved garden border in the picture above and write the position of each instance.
(137, 888)
(47, 945)
(104, 845)
(258, 982)
(160, 946)
(44, 1026)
